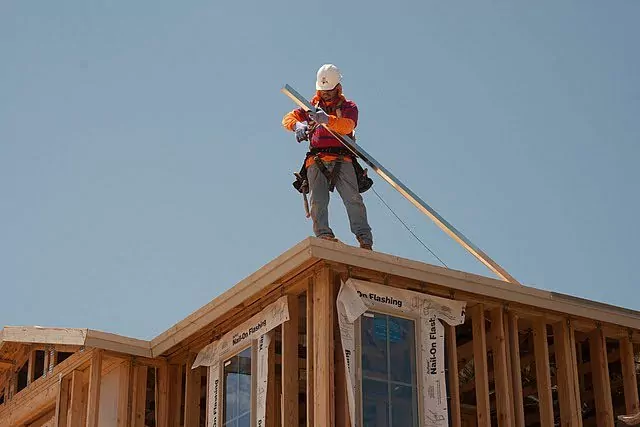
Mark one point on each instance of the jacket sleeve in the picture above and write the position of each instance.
(290, 119)
(347, 123)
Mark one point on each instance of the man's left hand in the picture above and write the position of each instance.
(319, 116)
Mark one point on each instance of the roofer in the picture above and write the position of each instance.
(330, 164)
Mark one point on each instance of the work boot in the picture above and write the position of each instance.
(328, 237)
(364, 244)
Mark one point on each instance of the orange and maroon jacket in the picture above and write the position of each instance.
(343, 122)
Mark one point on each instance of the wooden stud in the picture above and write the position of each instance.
(45, 369)
(62, 403)
(543, 374)
(192, 394)
(454, 382)
(480, 363)
(290, 388)
(501, 368)
(567, 375)
(138, 395)
(310, 354)
(32, 362)
(601, 380)
(77, 400)
(627, 360)
(93, 398)
(516, 376)
(341, 402)
(323, 304)
(124, 393)
(176, 373)
(162, 396)
(271, 416)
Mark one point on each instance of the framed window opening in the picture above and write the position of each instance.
(388, 370)
(238, 396)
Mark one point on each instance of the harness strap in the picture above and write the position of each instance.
(331, 176)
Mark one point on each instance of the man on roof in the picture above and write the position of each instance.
(329, 164)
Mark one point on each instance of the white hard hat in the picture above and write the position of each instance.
(328, 77)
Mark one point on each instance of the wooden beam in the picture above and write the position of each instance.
(176, 374)
(271, 415)
(601, 380)
(42, 394)
(290, 387)
(516, 375)
(7, 364)
(93, 398)
(162, 396)
(501, 368)
(138, 395)
(124, 393)
(62, 403)
(192, 394)
(310, 354)
(454, 382)
(567, 375)
(543, 374)
(45, 368)
(323, 303)
(31, 366)
(627, 359)
(37, 334)
(77, 401)
(480, 363)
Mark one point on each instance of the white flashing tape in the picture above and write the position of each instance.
(256, 328)
(357, 296)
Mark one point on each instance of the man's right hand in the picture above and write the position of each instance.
(301, 130)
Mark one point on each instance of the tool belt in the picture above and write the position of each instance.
(302, 184)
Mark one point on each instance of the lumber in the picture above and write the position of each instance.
(627, 359)
(77, 400)
(454, 382)
(323, 304)
(62, 402)
(138, 395)
(32, 360)
(93, 400)
(516, 376)
(124, 393)
(483, 407)
(501, 368)
(176, 374)
(601, 381)
(543, 373)
(42, 394)
(271, 413)
(290, 388)
(310, 353)
(162, 395)
(567, 375)
(7, 364)
(40, 335)
(192, 394)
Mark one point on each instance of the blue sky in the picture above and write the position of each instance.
(143, 168)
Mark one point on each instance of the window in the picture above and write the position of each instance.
(237, 390)
(389, 391)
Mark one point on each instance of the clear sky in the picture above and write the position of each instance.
(144, 170)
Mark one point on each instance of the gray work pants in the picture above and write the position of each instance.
(347, 186)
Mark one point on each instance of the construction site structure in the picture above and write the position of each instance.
(301, 343)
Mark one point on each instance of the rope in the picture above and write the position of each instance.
(408, 229)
